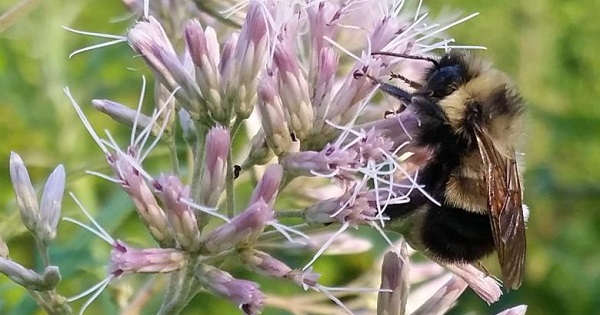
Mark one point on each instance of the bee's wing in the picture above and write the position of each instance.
(505, 209)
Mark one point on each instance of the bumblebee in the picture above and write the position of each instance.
(470, 118)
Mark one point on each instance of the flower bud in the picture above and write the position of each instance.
(203, 47)
(268, 186)
(243, 230)
(125, 259)
(146, 205)
(24, 192)
(293, 90)
(28, 278)
(246, 294)
(122, 113)
(394, 278)
(215, 166)
(265, 264)
(273, 116)
(181, 218)
(149, 39)
(241, 75)
(51, 205)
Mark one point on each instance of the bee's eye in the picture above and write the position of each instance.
(445, 80)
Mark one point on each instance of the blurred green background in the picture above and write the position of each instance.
(549, 47)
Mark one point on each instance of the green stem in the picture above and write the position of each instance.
(171, 144)
(43, 252)
(229, 193)
(182, 288)
(198, 164)
(297, 213)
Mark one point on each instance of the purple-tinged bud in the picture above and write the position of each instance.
(268, 186)
(122, 113)
(28, 278)
(203, 47)
(51, 204)
(24, 193)
(265, 264)
(181, 218)
(273, 116)
(125, 259)
(214, 173)
(149, 39)
(293, 90)
(243, 293)
(393, 293)
(4, 252)
(443, 299)
(147, 207)
(243, 229)
(241, 74)
(322, 81)
(517, 310)
(260, 152)
(227, 54)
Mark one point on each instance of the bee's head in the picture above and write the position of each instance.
(478, 96)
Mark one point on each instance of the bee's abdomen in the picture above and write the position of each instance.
(455, 235)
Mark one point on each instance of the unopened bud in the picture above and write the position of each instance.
(393, 293)
(245, 294)
(181, 218)
(273, 116)
(24, 192)
(243, 230)
(265, 264)
(28, 278)
(268, 186)
(122, 113)
(51, 205)
(214, 172)
(125, 259)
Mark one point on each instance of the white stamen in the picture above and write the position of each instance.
(207, 210)
(104, 176)
(341, 230)
(85, 122)
(418, 9)
(138, 110)
(448, 26)
(100, 231)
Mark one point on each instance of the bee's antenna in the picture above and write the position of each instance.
(411, 83)
(399, 55)
(392, 90)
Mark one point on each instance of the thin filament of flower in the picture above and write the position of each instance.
(85, 122)
(341, 230)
